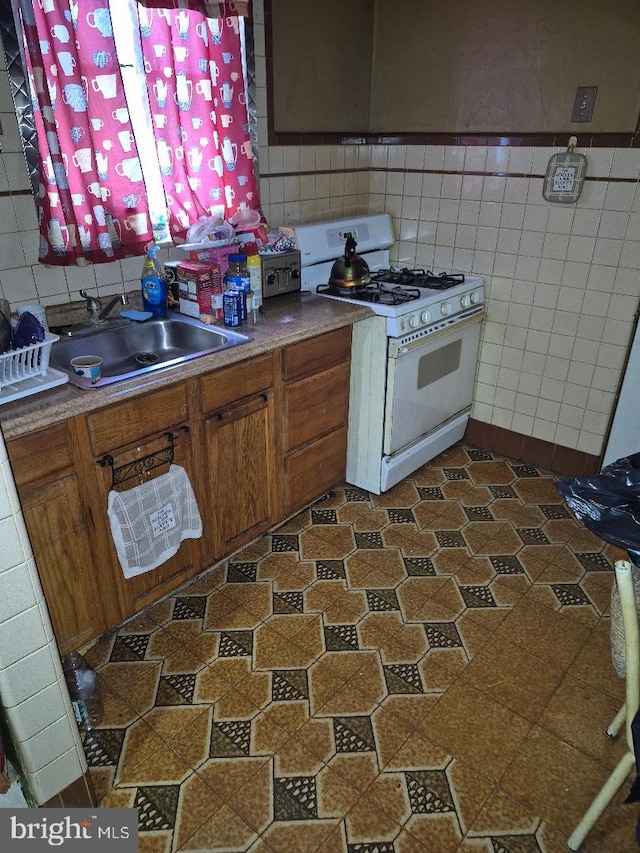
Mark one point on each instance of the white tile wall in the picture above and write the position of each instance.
(562, 280)
(37, 707)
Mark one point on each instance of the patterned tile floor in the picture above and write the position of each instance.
(426, 670)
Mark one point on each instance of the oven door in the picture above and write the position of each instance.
(429, 381)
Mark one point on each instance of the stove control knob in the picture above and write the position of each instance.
(475, 297)
(425, 316)
(446, 309)
(295, 273)
(413, 321)
(271, 278)
(465, 301)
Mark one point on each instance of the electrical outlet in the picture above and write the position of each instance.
(584, 103)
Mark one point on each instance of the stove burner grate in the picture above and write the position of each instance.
(336, 290)
(378, 292)
(418, 278)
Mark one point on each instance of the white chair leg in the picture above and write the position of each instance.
(617, 722)
(603, 799)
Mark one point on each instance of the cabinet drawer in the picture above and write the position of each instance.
(126, 423)
(315, 406)
(233, 383)
(316, 354)
(314, 470)
(40, 455)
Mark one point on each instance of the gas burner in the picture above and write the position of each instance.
(386, 297)
(396, 295)
(441, 281)
(336, 290)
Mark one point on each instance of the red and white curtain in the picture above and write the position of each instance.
(93, 199)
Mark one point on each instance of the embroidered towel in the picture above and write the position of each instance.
(149, 522)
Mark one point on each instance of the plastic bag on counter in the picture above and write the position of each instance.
(210, 229)
(279, 241)
(608, 503)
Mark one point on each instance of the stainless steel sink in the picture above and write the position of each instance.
(131, 349)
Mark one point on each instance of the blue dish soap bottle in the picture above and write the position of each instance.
(154, 287)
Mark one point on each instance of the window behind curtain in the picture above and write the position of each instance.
(125, 124)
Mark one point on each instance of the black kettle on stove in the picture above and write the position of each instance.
(350, 270)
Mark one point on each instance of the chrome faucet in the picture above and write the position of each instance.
(97, 312)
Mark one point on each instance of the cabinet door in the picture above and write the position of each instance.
(240, 473)
(315, 406)
(139, 591)
(59, 536)
(314, 469)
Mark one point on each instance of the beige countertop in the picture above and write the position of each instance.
(285, 320)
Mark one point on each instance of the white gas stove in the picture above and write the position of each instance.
(424, 303)
(413, 363)
(410, 299)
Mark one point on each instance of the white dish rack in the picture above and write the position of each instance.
(26, 370)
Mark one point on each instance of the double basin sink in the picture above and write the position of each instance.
(129, 348)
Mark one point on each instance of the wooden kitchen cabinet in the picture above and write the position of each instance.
(137, 435)
(239, 464)
(259, 439)
(316, 377)
(60, 532)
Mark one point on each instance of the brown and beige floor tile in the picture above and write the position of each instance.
(423, 670)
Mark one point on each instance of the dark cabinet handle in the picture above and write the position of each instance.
(218, 416)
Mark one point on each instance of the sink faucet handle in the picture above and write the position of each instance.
(89, 297)
(93, 305)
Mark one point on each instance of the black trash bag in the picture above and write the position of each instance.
(608, 503)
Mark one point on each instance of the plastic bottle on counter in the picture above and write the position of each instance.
(84, 690)
(254, 265)
(154, 286)
(237, 275)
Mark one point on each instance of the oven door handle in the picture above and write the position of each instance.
(403, 349)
